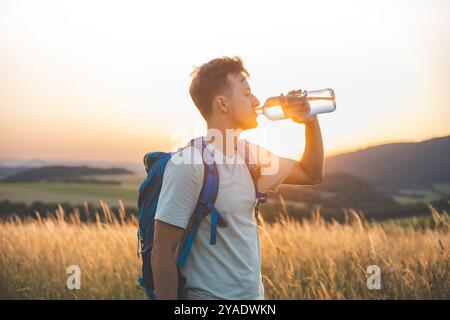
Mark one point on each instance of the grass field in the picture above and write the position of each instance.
(308, 260)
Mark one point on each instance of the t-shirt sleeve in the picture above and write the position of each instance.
(182, 183)
(274, 169)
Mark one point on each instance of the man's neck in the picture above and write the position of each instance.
(224, 139)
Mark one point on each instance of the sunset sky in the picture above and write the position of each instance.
(108, 80)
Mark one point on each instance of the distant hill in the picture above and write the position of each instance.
(341, 191)
(391, 166)
(9, 171)
(62, 173)
(337, 191)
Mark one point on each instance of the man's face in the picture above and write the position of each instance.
(242, 103)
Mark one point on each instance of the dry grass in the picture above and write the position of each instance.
(308, 260)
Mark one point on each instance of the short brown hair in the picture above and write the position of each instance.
(211, 79)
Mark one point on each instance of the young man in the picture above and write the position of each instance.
(230, 269)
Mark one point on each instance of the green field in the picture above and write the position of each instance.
(443, 188)
(74, 193)
(408, 196)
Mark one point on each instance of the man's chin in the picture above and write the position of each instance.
(246, 124)
(249, 125)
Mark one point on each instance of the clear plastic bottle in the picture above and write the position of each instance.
(320, 101)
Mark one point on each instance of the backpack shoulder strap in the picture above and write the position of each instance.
(255, 172)
(205, 203)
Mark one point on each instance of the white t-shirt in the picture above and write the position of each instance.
(230, 269)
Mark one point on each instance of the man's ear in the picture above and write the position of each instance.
(221, 103)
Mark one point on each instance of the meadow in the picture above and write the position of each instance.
(311, 259)
(74, 193)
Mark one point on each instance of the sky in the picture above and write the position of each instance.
(108, 80)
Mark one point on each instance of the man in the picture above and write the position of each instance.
(230, 269)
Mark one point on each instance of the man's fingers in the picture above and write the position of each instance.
(299, 91)
(302, 108)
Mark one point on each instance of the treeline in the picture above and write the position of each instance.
(271, 211)
(87, 211)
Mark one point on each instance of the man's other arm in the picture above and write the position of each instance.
(164, 265)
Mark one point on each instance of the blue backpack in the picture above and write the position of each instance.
(155, 164)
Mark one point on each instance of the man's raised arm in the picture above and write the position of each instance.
(309, 170)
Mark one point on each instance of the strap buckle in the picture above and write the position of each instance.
(262, 197)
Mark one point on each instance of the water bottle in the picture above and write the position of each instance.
(277, 108)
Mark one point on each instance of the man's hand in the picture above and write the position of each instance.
(298, 107)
